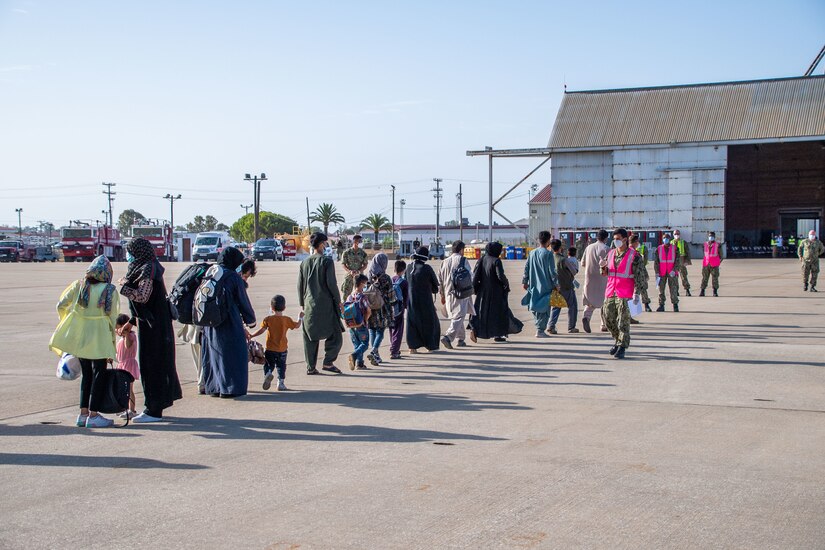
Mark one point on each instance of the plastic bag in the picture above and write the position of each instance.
(68, 368)
(635, 305)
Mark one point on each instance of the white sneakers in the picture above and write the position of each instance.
(281, 385)
(268, 381)
(144, 418)
(541, 334)
(99, 421)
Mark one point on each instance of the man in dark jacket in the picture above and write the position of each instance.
(566, 289)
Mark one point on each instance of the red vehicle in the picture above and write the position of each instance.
(290, 250)
(83, 244)
(160, 236)
(16, 251)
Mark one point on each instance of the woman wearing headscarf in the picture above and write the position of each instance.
(423, 329)
(143, 286)
(493, 317)
(224, 352)
(88, 309)
(380, 318)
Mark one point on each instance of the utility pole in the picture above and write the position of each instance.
(256, 194)
(393, 217)
(246, 208)
(19, 223)
(490, 219)
(308, 216)
(110, 194)
(437, 207)
(171, 198)
(460, 214)
(402, 202)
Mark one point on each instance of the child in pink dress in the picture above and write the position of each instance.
(126, 359)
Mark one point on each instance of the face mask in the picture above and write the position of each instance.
(618, 243)
(811, 237)
(666, 241)
(711, 239)
(129, 257)
(675, 237)
(239, 268)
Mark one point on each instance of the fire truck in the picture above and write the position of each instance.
(83, 244)
(16, 251)
(160, 236)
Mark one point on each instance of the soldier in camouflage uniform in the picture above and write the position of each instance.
(809, 252)
(355, 262)
(669, 278)
(643, 282)
(683, 251)
(581, 244)
(615, 311)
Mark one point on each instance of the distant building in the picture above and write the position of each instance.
(505, 234)
(743, 159)
(540, 218)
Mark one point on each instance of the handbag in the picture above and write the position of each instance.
(68, 368)
(256, 353)
(557, 300)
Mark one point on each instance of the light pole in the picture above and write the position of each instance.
(393, 217)
(19, 223)
(256, 190)
(172, 198)
(246, 208)
(437, 207)
(402, 202)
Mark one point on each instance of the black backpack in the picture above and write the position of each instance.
(210, 304)
(182, 297)
(462, 280)
(115, 396)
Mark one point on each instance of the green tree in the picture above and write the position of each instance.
(326, 214)
(269, 223)
(375, 223)
(201, 224)
(127, 219)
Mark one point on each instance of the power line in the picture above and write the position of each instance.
(110, 194)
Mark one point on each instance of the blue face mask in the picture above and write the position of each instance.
(666, 241)
(129, 257)
(239, 268)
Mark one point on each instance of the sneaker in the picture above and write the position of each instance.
(648, 308)
(144, 418)
(586, 325)
(81, 420)
(395, 356)
(281, 385)
(377, 357)
(362, 366)
(573, 330)
(312, 372)
(461, 344)
(413, 352)
(499, 339)
(446, 342)
(813, 289)
(331, 368)
(128, 415)
(552, 330)
(715, 293)
(351, 361)
(614, 349)
(541, 334)
(620, 353)
(373, 359)
(99, 422)
(268, 381)
(660, 308)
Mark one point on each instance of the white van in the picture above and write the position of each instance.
(208, 245)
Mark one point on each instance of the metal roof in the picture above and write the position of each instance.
(726, 111)
(543, 196)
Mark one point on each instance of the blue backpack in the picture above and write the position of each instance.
(398, 304)
(353, 313)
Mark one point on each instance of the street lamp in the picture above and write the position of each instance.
(256, 193)
(19, 222)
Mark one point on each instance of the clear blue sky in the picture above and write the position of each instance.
(334, 100)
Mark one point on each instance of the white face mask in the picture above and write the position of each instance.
(675, 237)
(811, 237)
(711, 239)
(618, 243)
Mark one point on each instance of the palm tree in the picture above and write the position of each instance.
(375, 223)
(326, 214)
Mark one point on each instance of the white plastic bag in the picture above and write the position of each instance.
(636, 306)
(68, 368)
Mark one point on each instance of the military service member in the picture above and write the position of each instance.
(355, 262)
(581, 244)
(642, 283)
(809, 252)
(683, 251)
(623, 267)
(710, 264)
(666, 265)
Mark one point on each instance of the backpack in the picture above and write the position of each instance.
(398, 304)
(462, 280)
(115, 391)
(373, 297)
(353, 313)
(182, 297)
(210, 305)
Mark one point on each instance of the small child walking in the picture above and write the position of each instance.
(276, 326)
(399, 282)
(357, 323)
(127, 358)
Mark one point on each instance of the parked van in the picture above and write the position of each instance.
(208, 245)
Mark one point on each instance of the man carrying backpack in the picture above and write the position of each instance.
(455, 280)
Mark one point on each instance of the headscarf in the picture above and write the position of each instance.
(230, 258)
(377, 266)
(145, 264)
(422, 254)
(494, 249)
(99, 270)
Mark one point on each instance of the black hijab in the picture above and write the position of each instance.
(145, 264)
(494, 249)
(422, 254)
(230, 258)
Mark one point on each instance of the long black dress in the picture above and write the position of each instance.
(423, 329)
(156, 348)
(493, 316)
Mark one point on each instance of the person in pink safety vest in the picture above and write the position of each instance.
(666, 264)
(622, 267)
(710, 264)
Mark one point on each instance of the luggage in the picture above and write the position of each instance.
(182, 297)
(210, 306)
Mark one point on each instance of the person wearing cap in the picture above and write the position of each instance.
(683, 251)
(622, 267)
(710, 264)
(666, 266)
(809, 252)
(355, 262)
(642, 282)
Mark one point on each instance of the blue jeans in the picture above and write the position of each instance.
(376, 337)
(360, 341)
(275, 360)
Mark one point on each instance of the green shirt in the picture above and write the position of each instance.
(810, 251)
(354, 260)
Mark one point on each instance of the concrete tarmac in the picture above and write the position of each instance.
(711, 434)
